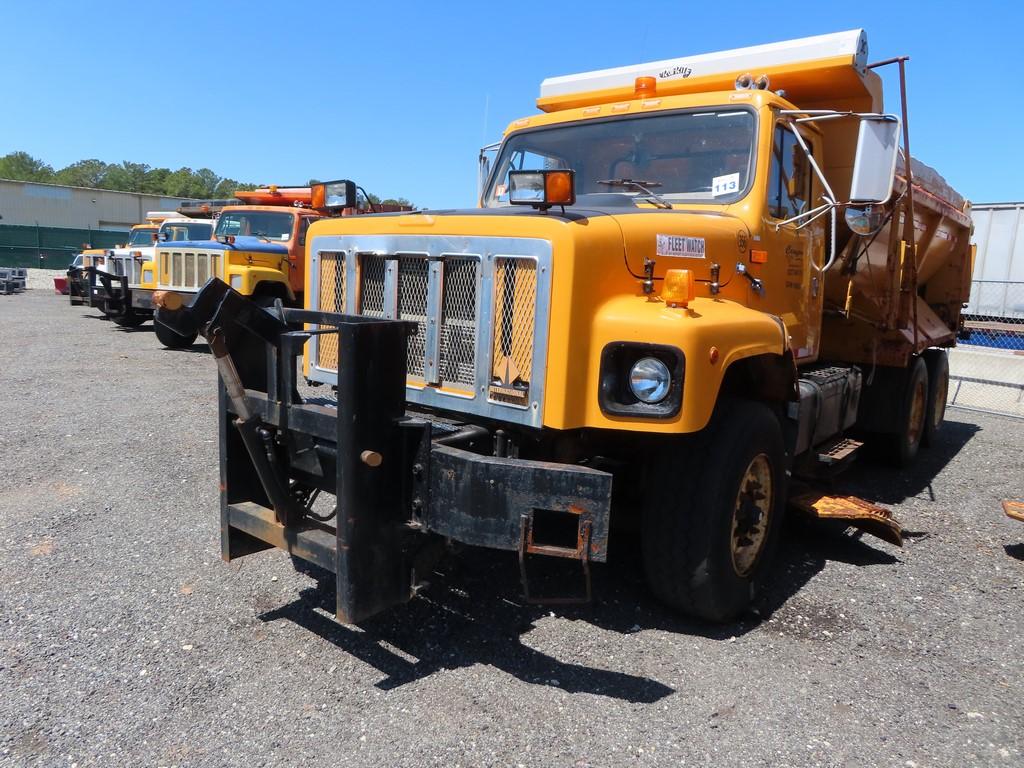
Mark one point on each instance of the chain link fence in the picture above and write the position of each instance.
(986, 369)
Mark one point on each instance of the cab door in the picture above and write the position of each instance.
(792, 256)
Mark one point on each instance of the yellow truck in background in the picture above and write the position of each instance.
(691, 280)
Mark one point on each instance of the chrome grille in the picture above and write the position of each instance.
(457, 356)
(189, 270)
(481, 315)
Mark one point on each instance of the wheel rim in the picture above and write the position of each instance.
(918, 404)
(939, 404)
(751, 516)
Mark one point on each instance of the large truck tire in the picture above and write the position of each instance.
(937, 363)
(900, 448)
(712, 513)
(129, 320)
(170, 339)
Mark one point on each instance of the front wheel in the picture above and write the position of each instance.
(129, 320)
(172, 340)
(713, 512)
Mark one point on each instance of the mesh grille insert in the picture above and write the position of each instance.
(457, 364)
(331, 298)
(515, 299)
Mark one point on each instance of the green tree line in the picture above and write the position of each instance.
(122, 177)
(134, 177)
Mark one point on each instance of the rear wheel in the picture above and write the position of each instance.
(170, 339)
(713, 511)
(901, 447)
(937, 362)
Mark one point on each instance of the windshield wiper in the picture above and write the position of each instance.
(643, 186)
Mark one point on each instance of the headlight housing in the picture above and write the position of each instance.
(649, 380)
(641, 380)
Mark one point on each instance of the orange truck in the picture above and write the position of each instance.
(258, 249)
(696, 281)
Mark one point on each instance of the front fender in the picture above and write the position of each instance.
(252, 276)
(735, 331)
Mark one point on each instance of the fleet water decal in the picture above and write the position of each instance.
(680, 246)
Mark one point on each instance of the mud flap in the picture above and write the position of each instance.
(1014, 509)
(870, 518)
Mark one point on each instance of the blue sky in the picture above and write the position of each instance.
(400, 96)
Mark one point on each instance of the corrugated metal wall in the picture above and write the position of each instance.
(55, 221)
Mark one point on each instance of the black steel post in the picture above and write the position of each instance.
(372, 573)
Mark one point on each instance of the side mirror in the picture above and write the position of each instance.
(865, 221)
(163, 237)
(485, 161)
(874, 165)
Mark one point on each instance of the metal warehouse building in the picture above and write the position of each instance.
(55, 222)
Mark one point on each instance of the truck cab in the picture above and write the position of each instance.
(258, 249)
(112, 289)
(82, 279)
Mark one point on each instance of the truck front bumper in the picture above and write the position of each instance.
(402, 482)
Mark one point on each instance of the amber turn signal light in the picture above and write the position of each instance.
(542, 189)
(679, 287)
(759, 257)
(558, 188)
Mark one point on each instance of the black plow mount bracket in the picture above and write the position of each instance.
(404, 484)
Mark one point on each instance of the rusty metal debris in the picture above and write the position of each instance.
(868, 517)
(1014, 509)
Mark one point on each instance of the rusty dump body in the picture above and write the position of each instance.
(883, 306)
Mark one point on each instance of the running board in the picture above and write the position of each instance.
(870, 518)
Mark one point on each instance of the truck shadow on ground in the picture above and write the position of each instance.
(473, 612)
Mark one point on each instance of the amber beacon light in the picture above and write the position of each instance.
(679, 288)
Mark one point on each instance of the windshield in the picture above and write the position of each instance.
(141, 236)
(701, 156)
(272, 226)
(181, 230)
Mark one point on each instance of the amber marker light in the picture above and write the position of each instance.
(318, 196)
(679, 287)
(759, 257)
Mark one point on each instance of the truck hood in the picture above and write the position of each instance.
(245, 243)
(690, 238)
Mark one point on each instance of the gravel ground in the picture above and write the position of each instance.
(42, 279)
(124, 640)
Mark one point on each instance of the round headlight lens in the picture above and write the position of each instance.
(649, 380)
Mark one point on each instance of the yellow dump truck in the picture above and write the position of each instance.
(690, 280)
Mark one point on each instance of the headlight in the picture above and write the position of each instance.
(649, 380)
(147, 275)
(236, 282)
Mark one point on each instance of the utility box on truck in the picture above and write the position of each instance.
(690, 279)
